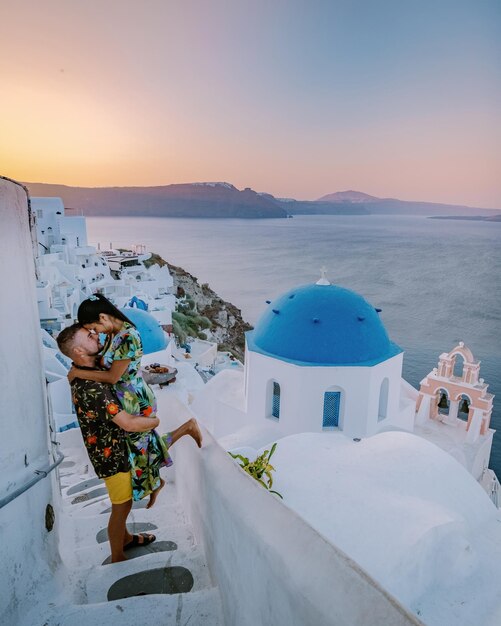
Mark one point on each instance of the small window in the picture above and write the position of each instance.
(275, 401)
(383, 400)
(332, 403)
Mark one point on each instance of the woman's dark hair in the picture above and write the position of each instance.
(89, 310)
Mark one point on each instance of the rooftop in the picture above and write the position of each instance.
(322, 324)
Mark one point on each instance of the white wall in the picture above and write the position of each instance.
(302, 391)
(75, 226)
(271, 567)
(392, 370)
(47, 220)
(482, 457)
(28, 552)
(219, 404)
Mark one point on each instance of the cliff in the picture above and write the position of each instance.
(228, 326)
(216, 200)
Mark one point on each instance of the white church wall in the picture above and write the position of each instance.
(313, 383)
(302, 392)
(29, 550)
(395, 413)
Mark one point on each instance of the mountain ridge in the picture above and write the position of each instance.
(176, 200)
(349, 196)
(224, 200)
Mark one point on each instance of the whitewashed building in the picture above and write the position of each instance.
(320, 359)
(70, 270)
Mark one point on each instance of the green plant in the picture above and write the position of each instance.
(260, 468)
(187, 322)
(154, 259)
(178, 331)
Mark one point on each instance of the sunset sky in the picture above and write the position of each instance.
(298, 98)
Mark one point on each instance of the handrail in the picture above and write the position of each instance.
(39, 475)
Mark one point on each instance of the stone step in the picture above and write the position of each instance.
(91, 553)
(132, 528)
(82, 487)
(100, 579)
(166, 507)
(196, 608)
(136, 550)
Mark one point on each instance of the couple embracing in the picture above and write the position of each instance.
(116, 411)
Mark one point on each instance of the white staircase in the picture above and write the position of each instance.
(84, 583)
(59, 305)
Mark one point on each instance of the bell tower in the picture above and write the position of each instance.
(454, 399)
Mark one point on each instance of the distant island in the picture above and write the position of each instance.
(224, 200)
(474, 218)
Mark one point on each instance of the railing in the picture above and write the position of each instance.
(40, 474)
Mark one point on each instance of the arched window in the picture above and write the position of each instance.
(463, 407)
(443, 401)
(383, 400)
(332, 405)
(458, 366)
(275, 400)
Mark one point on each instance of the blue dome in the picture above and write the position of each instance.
(152, 335)
(322, 325)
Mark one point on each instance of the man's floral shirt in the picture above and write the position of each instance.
(96, 405)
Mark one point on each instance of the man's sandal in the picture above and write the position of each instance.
(135, 543)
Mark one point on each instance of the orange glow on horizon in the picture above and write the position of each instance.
(89, 99)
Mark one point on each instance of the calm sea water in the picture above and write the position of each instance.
(437, 281)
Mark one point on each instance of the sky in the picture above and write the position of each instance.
(298, 98)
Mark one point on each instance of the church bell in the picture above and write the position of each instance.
(443, 402)
(464, 407)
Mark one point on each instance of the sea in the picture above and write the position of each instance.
(437, 282)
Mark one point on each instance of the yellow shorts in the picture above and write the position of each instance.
(119, 487)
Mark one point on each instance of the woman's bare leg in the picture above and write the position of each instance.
(188, 428)
(154, 494)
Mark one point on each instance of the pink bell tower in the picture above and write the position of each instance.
(444, 395)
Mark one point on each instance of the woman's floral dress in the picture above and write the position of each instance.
(148, 451)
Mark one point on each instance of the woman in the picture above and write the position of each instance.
(121, 360)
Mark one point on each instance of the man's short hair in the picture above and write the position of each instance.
(66, 339)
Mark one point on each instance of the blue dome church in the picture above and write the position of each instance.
(320, 359)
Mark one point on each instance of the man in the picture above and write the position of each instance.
(104, 424)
